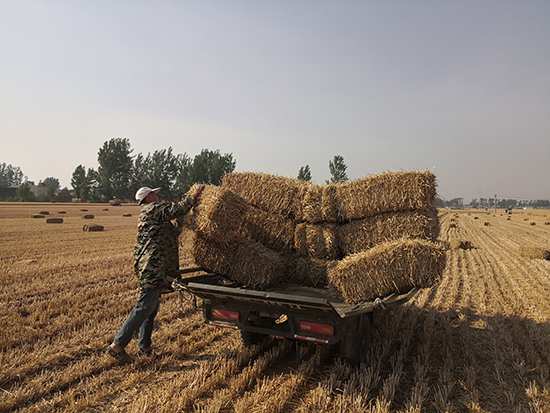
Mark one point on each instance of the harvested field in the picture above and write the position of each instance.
(477, 342)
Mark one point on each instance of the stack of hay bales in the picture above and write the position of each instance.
(366, 238)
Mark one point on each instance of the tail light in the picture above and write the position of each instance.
(316, 328)
(227, 315)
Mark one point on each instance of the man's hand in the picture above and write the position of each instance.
(197, 191)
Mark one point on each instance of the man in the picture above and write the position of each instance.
(155, 256)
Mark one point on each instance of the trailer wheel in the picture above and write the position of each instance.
(250, 339)
(355, 344)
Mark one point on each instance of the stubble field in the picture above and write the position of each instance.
(477, 342)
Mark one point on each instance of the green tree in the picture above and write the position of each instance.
(115, 168)
(337, 169)
(10, 175)
(24, 193)
(159, 169)
(79, 182)
(208, 167)
(51, 181)
(304, 174)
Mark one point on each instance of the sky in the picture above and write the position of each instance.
(459, 88)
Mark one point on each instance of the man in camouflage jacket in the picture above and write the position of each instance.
(155, 256)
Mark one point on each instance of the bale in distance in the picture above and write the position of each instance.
(44, 213)
(391, 267)
(61, 212)
(385, 192)
(245, 261)
(54, 220)
(126, 215)
(37, 216)
(534, 253)
(456, 244)
(93, 228)
(88, 216)
(362, 234)
(271, 193)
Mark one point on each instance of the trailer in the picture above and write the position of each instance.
(295, 313)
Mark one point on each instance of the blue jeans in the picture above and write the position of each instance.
(141, 317)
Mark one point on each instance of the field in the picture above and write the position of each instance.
(477, 342)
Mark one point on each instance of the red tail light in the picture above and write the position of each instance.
(225, 315)
(316, 328)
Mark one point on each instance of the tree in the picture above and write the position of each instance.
(304, 174)
(24, 193)
(208, 167)
(115, 168)
(79, 182)
(337, 169)
(10, 175)
(51, 181)
(159, 169)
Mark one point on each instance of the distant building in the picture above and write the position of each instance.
(39, 190)
(64, 195)
(8, 192)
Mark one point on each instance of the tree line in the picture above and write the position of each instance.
(120, 173)
(491, 203)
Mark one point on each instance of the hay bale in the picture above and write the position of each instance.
(533, 223)
(311, 272)
(456, 244)
(126, 215)
(452, 225)
(386, 192)
(320, 204)
(84, 210)
(37, 216)
(271, 230)
(270, 193)
(44, 213)
(54, 221)
(218, 213)
(61, 212)
(245, 261)
(476, 217)
(317, 240)
(387, 268)
(546, 222)
(534, 253)
(93, 228)
(487, 224)
(105, 209)
(88, 216)
(362, 234)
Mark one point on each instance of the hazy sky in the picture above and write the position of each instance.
(461, 88)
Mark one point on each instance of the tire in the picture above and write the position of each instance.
(355, 344)
(250, 339)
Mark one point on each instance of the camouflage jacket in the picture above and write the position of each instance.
(156, 252)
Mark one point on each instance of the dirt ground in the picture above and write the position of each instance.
(477, 342)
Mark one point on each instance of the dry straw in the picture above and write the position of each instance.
(93, 228)
(534, 252)
(360, 235)
(271, 230)
(271, 193)
(320, 204)
(54, 220)
(456, 244)
(386, 192)
(317, 240)
(218, 213)
(387, 268)
(243, 260)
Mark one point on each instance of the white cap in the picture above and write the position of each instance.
(144, 191)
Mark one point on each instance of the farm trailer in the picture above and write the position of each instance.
(295, 313)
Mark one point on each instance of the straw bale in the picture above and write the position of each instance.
(245, 261)
(320, 204)
(271, 193)
(37, 216)
(546, 222)
(93, 228)
(273, 231)
(126, 215)
(88, 216)
(61, 212)
(533, 223)
(317, 240)
(385, 192)
(54, 220)
(218, 212)
(362, 234)
(456, 244)
(44, 213)
(391, 267)
(311, 272)
(534, 253)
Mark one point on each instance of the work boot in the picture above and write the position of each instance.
(122, 357)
